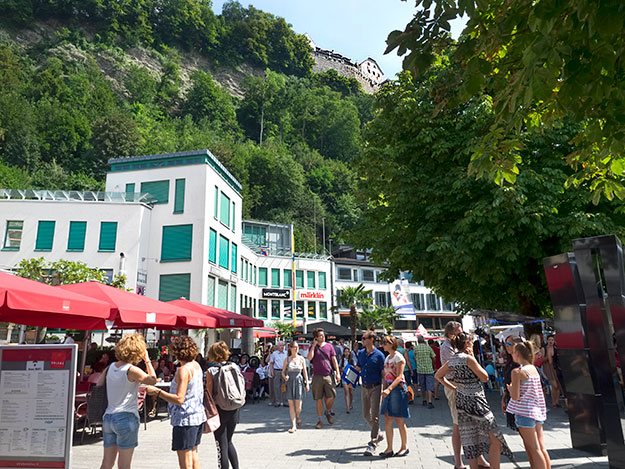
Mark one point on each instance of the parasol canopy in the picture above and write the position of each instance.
(221, 317)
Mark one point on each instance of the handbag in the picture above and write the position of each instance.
(212, 414)
(410, 393)
(283, 387)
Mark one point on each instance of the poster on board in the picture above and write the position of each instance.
(37, 390)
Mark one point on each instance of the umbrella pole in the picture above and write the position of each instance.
(83, 359)
(22, 334)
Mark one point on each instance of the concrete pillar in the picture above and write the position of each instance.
(247, 335)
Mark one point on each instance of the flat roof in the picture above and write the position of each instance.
(180, 158)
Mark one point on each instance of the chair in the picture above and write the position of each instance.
(143, 407)
(91, 419)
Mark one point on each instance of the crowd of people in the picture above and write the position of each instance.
(388, 371)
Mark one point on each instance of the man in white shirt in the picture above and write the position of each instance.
(276, 362)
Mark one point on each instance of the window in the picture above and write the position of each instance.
(13, 235)
(212, 246)
(322, 280)
(224, 252)
(108, 275)
(216, 202)
(262, 276)
(210, 291)
(233, 260)
(233, 298)
(255, 270)
(256, 234)
(234, 216)
(179, 196)
(130, 192)
(344, 273)
(224, 210)
(76, 238)
(249, 272)
(299, 308)
(312, 310)
(288, 278)
(310, 279)
(174, 286)
(323, 310)
(275, 278)
(158, 189)
(262, 309)
(382, 299)
(418, 301)
(275, 309)
(448, 306)
(45, 236)
(288, 314)
(176, 243)
(222, 295)
(108, 236)
(367, 276)
(299, 279)
(432, 302)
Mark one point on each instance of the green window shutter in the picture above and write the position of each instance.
(224, 252)
(299, 279)
(108, 236)
(212, 246)
(262, 276)
(224, 210)
(176, 243)
(322, 280)
(275, 277)
(210, 291)
(174, 286)
(216, 202)
(233, 298)
(222, 295)
(45, 236)
(179, 196)
(76, 239)
(233, 260)
(310, 283)
(233, 216)
(158, 189)
(288, 278)
(130, 192)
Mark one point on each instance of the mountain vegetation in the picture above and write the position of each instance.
(82, 81)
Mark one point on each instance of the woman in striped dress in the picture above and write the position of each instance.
(527, 404)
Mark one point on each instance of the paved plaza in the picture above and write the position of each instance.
(262, 441)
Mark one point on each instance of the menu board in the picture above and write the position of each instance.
(37, 390)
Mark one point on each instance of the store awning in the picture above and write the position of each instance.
(223, 319)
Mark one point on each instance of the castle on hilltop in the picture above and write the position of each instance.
(368, 72)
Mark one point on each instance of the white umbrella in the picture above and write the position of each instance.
(516, 331)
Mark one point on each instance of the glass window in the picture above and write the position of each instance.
(130, 192)
(233, 298)
(157, 189)
(255, 270)
(210, 291)
(287, 310)
(108, 236)
(448, 306)
(432, 302)
(323, 310)
(299, 279)
(262, 309)
(174, 286)
(249, 272)
(45, 236)
(312, 310)
(222, 295)
(224, 210)
(299, 307)
(262, 276)
(418, 301)
(216, 202)
(233, 260)
(288, 278)
(322, 280)
(380, 299)
(179, 196)
(212, 246)
(233, 216)
(76, 238)
(13, 235)
(176, 243)
(275, 277)
(428, 323)
(344, 273)
(224, 252)
(275, 309)
(367, 275)
(310, 279)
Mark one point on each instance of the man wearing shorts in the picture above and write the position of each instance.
(425, 372)
(323, 359)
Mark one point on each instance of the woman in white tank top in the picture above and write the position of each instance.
(120, 426)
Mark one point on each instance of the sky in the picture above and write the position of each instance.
(354, 28)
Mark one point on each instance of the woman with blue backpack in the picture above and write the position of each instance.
(225, 383)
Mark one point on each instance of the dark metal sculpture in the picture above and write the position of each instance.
(588, 294)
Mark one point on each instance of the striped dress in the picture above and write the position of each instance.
(531, 403)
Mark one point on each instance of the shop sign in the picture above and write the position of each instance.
(310, 295)
(276, 293)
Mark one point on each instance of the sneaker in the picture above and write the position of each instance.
(319, 425)
(425, 403)
(330, 418)
(430, 406)
(370, 450)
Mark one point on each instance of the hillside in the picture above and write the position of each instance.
(84, 81)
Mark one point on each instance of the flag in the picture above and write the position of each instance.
(400, 299)
(263, 252)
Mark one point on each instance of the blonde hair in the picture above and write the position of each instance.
(131, 348)
(391, 339)
(525, 348)
(218, 352)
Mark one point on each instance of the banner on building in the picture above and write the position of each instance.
(400, 299)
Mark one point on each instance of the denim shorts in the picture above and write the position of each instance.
(426, 382)
(121, 429)
(526, 422)
(186, 438)
(396, 403)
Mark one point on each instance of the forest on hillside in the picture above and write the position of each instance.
(73, 94)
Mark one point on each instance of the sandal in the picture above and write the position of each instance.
(292, 430)
(299, 422)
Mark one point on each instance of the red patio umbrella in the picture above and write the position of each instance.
(264, 333)
(31, 303)
(223, 318)
(128, 310)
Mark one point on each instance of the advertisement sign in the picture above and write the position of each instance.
(276, 293)
(310, 295)
(37, 390)
(400, 299)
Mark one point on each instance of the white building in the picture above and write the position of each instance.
(370, 69)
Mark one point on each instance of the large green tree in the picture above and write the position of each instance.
(473, 241)
(354, 298)
(539, 62)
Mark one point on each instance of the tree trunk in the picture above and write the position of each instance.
(262, 124)
(41, 335)
(352, 323)
(205, 343)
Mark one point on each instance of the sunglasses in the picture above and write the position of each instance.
(509, 344)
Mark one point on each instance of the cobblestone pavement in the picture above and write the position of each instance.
(262, 441)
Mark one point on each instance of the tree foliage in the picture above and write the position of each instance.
(471, 240)
(377, 317)
(539, 63)
(354, 298)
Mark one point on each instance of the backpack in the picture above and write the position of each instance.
(229, 387)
